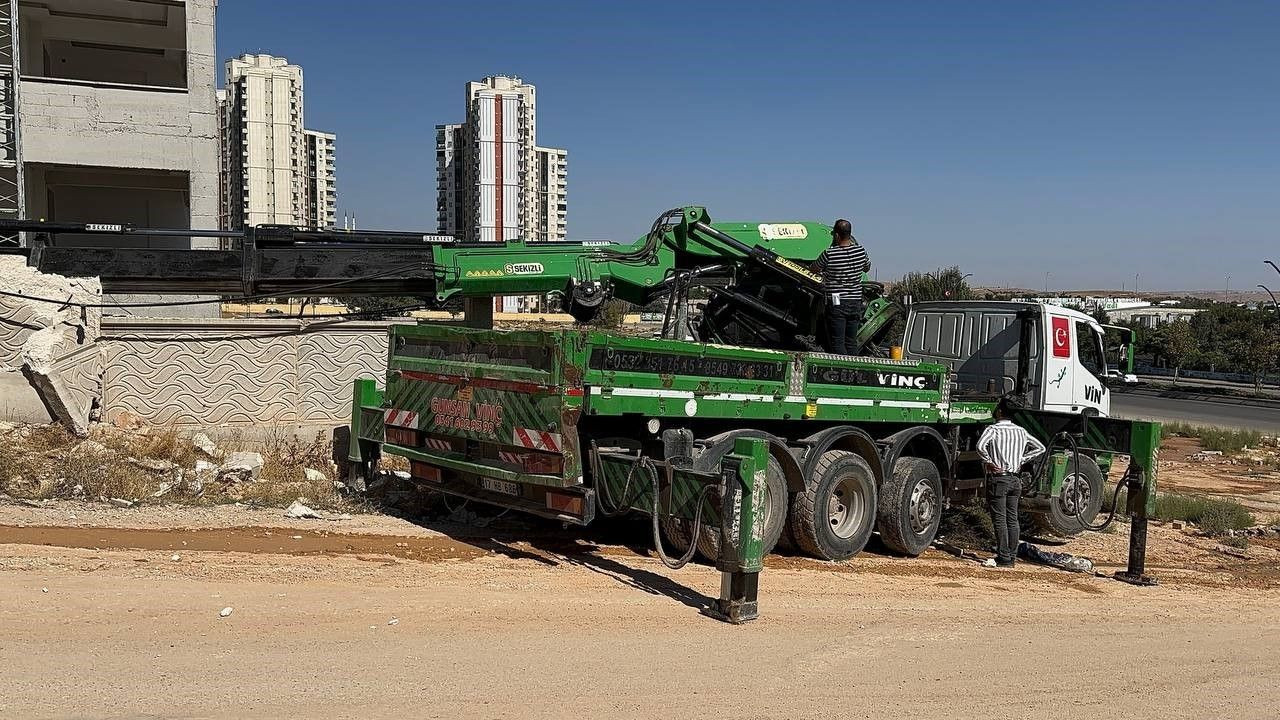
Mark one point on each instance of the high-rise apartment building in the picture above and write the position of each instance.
(452, 211)
(494, 182)
(322, 184)
(267, 156)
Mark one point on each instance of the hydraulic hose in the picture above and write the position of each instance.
(604, 498)
(657, 534)
(1075, 464)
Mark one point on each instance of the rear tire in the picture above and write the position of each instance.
(675, 531)
(1081, 493)
(834, 516)
(775, 517)
(910, 508)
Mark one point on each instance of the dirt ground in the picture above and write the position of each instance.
(112, 612)
(1254, 484)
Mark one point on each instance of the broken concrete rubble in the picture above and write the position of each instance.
(49, 345)
(240, 467)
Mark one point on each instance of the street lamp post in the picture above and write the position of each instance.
(1274, 304)
(1273, 265)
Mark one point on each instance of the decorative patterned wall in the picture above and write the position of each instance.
(237, 372)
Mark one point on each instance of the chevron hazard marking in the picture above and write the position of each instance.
(401, 418)
(536, 439)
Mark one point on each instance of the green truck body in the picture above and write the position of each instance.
(557, 423)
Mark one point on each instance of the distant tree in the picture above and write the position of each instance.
(1257, 349)
(1179, 345)
(376, 307)
(946, 284)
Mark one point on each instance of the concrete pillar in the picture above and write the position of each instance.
(478, 313)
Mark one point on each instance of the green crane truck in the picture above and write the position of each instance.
(732, 430)
(575, 424)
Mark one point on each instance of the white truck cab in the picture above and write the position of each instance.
(1053, 356)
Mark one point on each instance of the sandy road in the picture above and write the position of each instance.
(570, 629)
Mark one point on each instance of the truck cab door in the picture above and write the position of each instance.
(1091, 391)
(1074, 367)
(1058, 380)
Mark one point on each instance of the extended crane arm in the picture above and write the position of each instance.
(757, 273)
(283, 260)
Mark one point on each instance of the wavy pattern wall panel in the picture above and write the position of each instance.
(328, 362)
(237, 372)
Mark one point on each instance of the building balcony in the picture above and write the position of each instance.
(84, 41)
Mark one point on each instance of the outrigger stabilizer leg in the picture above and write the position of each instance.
(742, 531)
(1144, 453)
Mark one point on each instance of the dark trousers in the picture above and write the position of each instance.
(1003, 492)
(843, 322)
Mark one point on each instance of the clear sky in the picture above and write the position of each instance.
(1094, 141)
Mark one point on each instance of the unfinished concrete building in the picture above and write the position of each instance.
(113, 119)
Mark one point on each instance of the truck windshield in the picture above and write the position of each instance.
(1091, 353)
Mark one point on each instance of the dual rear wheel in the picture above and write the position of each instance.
(834, 517)
(840, 507)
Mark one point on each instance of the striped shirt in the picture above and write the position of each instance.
(1008, 447)
(841, 268)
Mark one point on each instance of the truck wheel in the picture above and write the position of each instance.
(775, 515)
(675, 531)
(833, 518)
(1080, 500)
(910, 506)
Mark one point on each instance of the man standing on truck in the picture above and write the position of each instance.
(1005, 448)
(841, 267)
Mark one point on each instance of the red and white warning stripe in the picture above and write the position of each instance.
(401, 418)
(438, 444)
(511, 457)
(536, 439)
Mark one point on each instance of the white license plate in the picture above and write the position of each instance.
(500, 486)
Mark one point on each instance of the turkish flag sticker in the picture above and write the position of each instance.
(1061, 337)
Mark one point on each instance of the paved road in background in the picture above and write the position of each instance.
(1145, 407)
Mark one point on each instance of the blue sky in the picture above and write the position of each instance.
(1094, 141)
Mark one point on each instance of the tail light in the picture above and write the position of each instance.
(402, 436)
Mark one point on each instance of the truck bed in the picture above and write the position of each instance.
(503, 411)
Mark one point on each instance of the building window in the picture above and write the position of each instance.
(127, 42)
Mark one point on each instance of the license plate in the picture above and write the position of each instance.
(500, 486)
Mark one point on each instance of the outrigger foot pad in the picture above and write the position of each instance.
(737, 602)
(1125, 576)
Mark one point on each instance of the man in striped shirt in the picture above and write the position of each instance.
(842, 266)
(1005, 448)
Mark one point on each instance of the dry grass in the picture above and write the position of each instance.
(968, 526)
(1225, 440)
(1213, 516)
(157, 465)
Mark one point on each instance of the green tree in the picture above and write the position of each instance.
(945, 284)
(1256, 350)
(376, 307)
(1179, 346)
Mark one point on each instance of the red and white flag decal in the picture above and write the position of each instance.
(1061, 329)
(401, 418)
(536, 439)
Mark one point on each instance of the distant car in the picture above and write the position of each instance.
(274, 311)
(1115, 375)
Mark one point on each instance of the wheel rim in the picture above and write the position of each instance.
(845, 507)
(1076, 495)
(923, 506)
